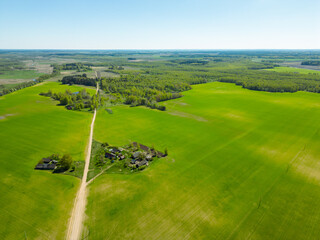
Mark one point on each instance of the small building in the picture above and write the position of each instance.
(149, 157)
(142, 147)
(110, 155)
(121, 156)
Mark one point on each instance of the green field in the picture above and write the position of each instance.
(37, 204)
(20, 74)
(242, 165)
(293, 70)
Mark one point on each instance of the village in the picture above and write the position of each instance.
(134, 156)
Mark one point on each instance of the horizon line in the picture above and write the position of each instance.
(160, 49)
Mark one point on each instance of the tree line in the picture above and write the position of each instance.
(4, 91)
(80, 67)
(75, 101)
(311, 63)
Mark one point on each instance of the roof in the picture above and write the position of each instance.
(108, 155)
(142, 147)
(46, 160)
(160, 154)
(114, 150)
(45, 166)
(143, 162)
(136, 154)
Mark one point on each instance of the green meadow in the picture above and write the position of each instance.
(293, 70)
(37, 204)
(20, 74)
(242, 165)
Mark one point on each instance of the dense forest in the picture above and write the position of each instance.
(79, 79)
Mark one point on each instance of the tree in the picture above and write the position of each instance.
(65, 162)
(166, 151)
(64, 100)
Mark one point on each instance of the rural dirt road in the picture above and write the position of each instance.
(77, 215)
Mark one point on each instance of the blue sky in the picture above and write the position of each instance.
(161, 24)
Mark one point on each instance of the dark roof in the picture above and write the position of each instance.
(142, 147)
(114, 150)
(45, 166)
(46, 160)
(110, 155)
(160, 154)
(143, 162)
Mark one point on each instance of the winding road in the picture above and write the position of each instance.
(77, 215)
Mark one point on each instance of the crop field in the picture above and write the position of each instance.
(20, 74)
(37, 204)
(242, 165)
(293, 70)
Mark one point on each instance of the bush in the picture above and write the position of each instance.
(142, 167)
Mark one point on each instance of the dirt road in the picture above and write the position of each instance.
(77, 216)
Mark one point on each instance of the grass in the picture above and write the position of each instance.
(242, 164)
(293, 70)
(20, 74)
(37, 204)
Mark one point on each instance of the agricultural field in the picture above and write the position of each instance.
(294, 70)
(242, 164)
(20, 74)
(37, 204)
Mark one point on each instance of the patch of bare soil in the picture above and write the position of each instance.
(298, 65)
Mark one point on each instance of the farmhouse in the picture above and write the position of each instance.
(46, 164)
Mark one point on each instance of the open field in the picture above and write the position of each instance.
(20, 74)
(242, 165)
(293, 70)
(37, 204)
